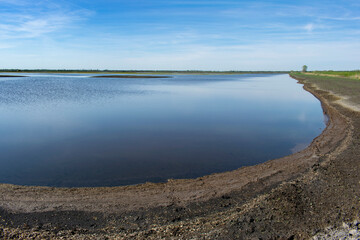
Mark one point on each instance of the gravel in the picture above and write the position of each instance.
(348, 231)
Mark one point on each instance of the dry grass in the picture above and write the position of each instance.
(347, 74)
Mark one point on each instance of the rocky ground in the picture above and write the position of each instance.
(309, 194)
(348, 231)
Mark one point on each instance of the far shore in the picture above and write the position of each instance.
(129, 76)
(6, 76)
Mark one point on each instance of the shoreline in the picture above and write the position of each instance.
(247, 185)
(182, 191)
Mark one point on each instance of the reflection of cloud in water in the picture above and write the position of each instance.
(298, 147)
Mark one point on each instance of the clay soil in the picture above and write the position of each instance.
(288, 198)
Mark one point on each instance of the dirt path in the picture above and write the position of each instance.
(290, 197)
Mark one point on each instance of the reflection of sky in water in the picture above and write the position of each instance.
(77, 131)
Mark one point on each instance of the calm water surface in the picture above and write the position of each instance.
(71, 130)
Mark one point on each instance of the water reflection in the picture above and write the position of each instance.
(77, 131)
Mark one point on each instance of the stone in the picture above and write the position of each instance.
(345, 225)
(353, 232)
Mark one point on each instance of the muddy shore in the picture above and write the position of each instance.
(288, 198)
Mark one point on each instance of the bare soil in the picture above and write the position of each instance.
(288, 198)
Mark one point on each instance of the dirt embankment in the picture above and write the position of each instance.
(290, 197)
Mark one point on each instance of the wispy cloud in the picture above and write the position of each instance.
(342, 18)
(5, 45)
(36, 20)
(180, 34)
(309, 27)
(32, 26)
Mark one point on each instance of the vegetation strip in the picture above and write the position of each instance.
(7, 76)
(129, 76)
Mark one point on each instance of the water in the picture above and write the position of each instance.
(71, 130)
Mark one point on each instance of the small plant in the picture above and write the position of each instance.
(304, 68)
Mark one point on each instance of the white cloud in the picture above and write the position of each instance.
(29, 27)
(309, 27)
(36, 19)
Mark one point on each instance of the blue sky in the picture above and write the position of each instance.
(180, 34)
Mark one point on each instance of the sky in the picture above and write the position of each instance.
(180, 34)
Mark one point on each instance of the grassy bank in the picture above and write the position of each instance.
(342, 86)
(347, 74)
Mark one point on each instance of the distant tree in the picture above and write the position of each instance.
(304, 68)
